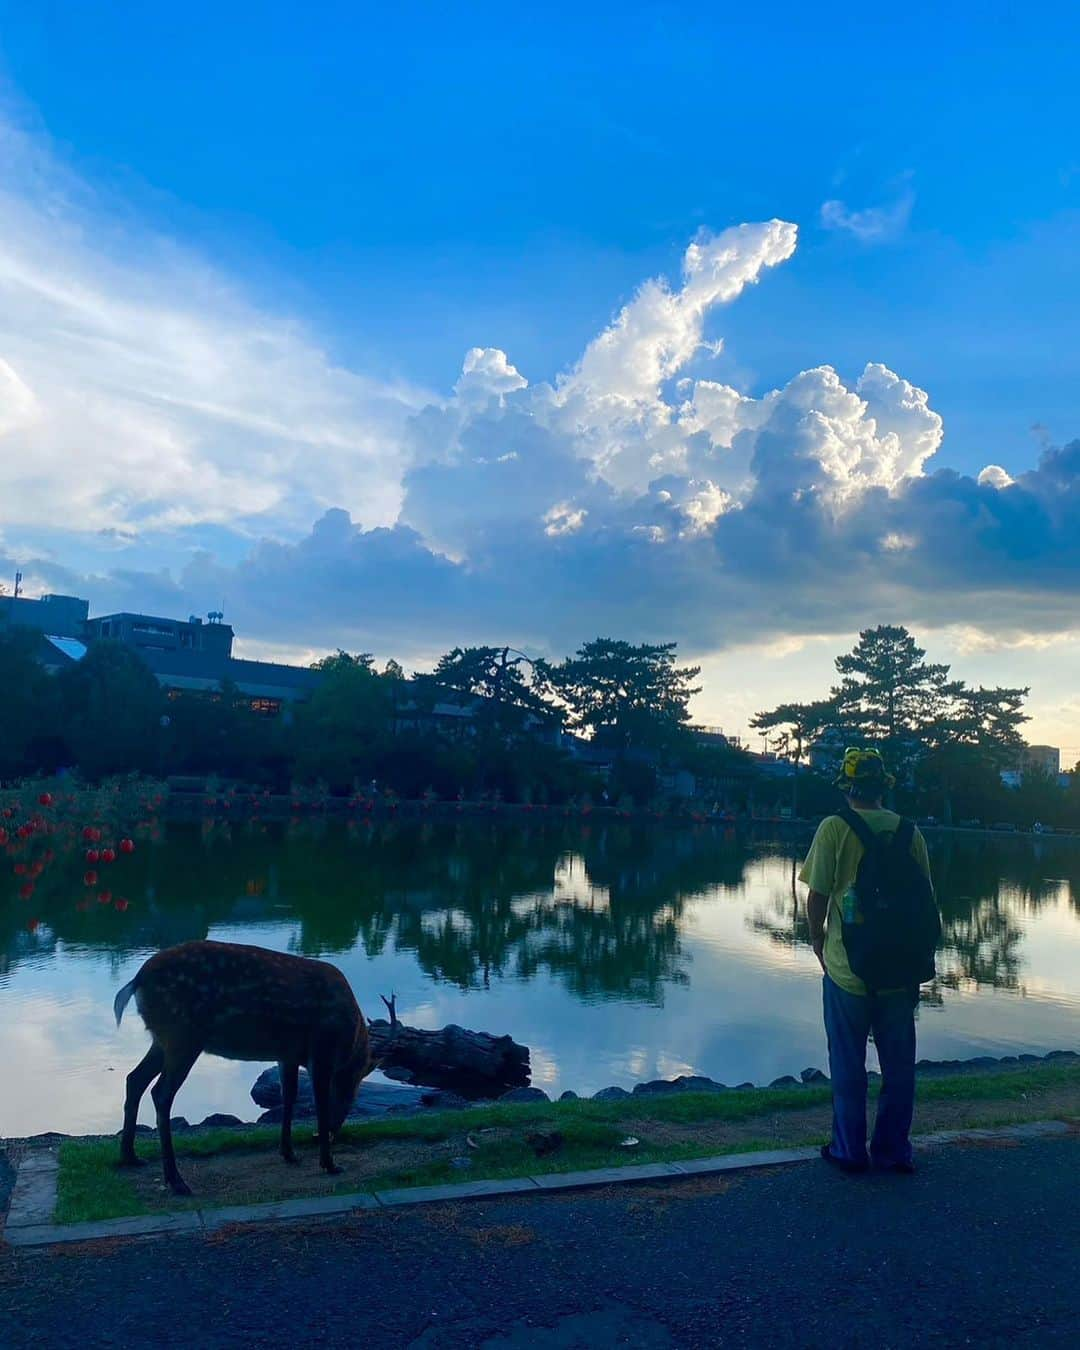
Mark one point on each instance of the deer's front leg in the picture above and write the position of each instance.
(320, 1082)
(289, 1075)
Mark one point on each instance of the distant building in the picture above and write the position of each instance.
(1042, 758)
(1037, 759)
(61, 616)
(267, 685)
(148, 632)
(714, 738)
(195, 656)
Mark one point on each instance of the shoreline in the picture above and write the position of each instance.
(981, 1065)
(500, 1146)
(198, 806)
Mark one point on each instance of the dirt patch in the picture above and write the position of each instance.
(651, 1200)
(242, 1178)
(482, 1235)
(783, 1129)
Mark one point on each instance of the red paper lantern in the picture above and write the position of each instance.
(45, 799)
(127, 846)
(108, 855)
(90, 878)
(26, 890)
(92, 855)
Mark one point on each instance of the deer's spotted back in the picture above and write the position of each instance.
(247, 1003)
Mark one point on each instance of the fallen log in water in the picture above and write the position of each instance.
(472, 1063)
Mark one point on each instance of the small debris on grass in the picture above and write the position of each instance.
(631, 1141)
(544, 1142)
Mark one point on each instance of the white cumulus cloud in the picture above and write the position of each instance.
(143, 397)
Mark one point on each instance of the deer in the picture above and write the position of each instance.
(245, 1003)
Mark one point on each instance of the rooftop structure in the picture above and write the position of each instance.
(58, 615)
(148, 632)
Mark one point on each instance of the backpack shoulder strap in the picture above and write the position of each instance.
(905, 834)
(859, 827)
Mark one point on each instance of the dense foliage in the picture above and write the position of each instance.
(485, 723)
(946, 742)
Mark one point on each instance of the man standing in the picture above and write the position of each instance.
(842, 908)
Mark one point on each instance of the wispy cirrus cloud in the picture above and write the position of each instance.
(869, 224)
(141, 391)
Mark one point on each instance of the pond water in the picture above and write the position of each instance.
(617, 952)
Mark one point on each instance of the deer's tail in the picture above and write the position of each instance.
(123, 998)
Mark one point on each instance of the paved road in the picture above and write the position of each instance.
(981, 1248)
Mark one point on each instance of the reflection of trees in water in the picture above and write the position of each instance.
(473, 901)
(984, 887)
(598, 906)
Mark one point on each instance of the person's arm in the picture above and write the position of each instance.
(817, 906)
(918, 850)
(818, 873)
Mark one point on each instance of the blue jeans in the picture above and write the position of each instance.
(849, 1019)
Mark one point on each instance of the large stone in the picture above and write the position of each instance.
(525, 1094)
(568, 1096)
(813, 1076)
(610, 1094)
(373, 1098)
(266, 1090)
(786, 1081)
(221, 1119)
(684, 1083)
(438, 1100)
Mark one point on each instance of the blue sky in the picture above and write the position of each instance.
(447, 176)
(380, 192)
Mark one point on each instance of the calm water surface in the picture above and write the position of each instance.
(615, 952)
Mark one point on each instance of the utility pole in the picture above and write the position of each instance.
(18, 585)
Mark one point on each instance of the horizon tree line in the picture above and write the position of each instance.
(945, 740)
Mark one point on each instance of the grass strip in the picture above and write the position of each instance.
(90, 1186)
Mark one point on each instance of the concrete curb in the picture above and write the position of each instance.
(33, 1201)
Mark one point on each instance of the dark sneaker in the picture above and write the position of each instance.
(904, 1169)
(844, 1164)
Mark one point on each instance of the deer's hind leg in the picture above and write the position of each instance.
(178, 1063)
(138, 1080)
(289, 1081)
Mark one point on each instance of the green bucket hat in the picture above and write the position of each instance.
(863, 769)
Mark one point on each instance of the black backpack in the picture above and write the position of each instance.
(890, 941)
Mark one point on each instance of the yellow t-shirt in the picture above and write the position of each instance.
(830, 869)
